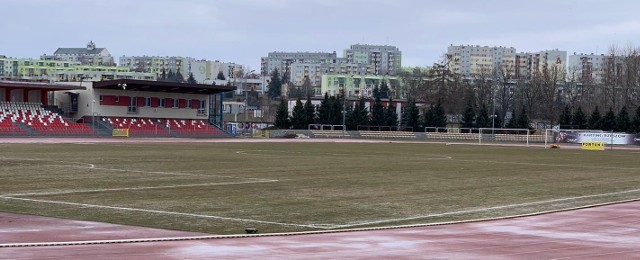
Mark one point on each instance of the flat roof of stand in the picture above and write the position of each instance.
(37, 86)
(161, 86)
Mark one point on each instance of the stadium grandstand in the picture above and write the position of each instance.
(111, 108)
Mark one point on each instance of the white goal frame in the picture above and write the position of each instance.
(495, 134)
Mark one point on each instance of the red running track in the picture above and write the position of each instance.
(605, 232)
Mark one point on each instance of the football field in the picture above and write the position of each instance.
(223, 188)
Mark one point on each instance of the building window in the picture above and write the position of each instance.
(175, 103)
(101, 98)
(147, 101)
(133, 106)
(162, 100)
(188, 105)
(201, 106)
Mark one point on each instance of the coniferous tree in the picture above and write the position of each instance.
(298, 116)
(513, 121)
(220, 76)
(282, 115)
(178, 77)
(579, 119)
(390, 114)
(306, 88)
(565, 117)
(336, 110)
(171, 75)
(377, 112)
(274, 88)
(439, 116)
(594, 120)
(285, 78)
(608, 122)
(483, 120)
(310, 112)
(384, 89)
(376, 92)
(498, 120)
(636, 121)
(411, 116)
(358, 116)
(623, 122)
(191, 79)
(523, 119)
(324, 110)
(429, 117)
(469, 115)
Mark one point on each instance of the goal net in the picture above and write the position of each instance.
(507, 135)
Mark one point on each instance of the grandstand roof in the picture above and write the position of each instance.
(161, 86)
(37, 85)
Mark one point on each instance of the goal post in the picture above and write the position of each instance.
(505, 135)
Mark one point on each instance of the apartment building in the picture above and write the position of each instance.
(57, 71)
(282, 61)
(32, 69)
(586, 67)
(355, 85)
(522, 67)
(202, 70)
(549, 60)
(384, 59)
(481, 61)
(359, 59)
(156, 64)
(90, 55)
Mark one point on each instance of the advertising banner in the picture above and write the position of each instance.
(590, 137)
(593, 146)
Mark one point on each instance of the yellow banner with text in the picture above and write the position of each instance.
(593, 146)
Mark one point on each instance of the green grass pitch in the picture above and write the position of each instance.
(223, 188)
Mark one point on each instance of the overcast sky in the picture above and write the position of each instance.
(242, 31)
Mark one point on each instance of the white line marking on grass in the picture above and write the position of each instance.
(87, 165)
(135, 188)
(480, 210)
(161, 212)
(552, 164)
(433, 156)
(93, 167)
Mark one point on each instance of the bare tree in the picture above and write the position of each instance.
(505, 90)
(526, 94)
(453, 101)
(611, 77)
(483, 86)
(413, 84)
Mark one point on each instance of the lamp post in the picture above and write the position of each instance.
(93, 115)
(344, 109)
(493, 109)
